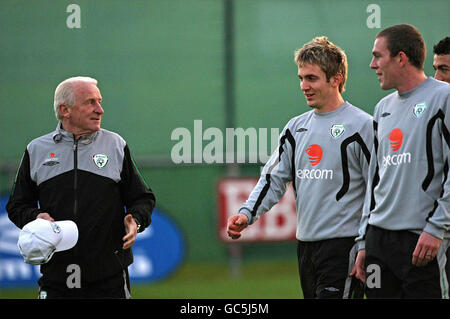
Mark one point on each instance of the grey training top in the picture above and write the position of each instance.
(48, 160)
(326, 157)
(408, 185)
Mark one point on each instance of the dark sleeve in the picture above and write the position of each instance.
(138, 197)
(22, 206)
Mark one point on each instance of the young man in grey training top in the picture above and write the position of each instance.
(325, 154)
(406, 214)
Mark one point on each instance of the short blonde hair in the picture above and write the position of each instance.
(64, 93)
(329, 57)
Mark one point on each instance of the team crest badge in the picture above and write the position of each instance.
(337, 130)
(419, 109)
(100, 160)
(55, 227)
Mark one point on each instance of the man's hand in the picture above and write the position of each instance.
(358, 269)
(236, 224)
(426, 249)
(131, 229)
(45, 216)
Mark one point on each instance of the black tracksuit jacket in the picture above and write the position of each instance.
(92, 181)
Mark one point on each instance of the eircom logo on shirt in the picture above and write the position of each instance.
(396, 138)
(396, 141)
(315, 154)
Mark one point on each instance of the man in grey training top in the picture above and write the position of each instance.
(406, 214)
(441, 65)
(325, 154)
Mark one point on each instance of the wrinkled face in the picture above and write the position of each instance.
(384, 65)
(314, 85)
(84, 118)
(441, 64)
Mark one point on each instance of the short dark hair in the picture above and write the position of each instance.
(442, 47)
(405, 38)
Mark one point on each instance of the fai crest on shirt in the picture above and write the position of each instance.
(100, 160)
(419, 109)
(337, 130)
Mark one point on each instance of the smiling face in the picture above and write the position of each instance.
(318, 91)
(384, 65)
(84, 117)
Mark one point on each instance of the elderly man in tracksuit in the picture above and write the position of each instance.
(83, 173)
(325, 154)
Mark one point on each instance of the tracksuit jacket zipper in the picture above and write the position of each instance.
(75, 185)
(75, 177)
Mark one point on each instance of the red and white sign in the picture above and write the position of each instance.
(278, 224)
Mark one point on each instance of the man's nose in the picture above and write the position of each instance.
(304, 86)
(99, 109)
(438, 76)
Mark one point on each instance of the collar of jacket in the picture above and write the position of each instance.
(61, 135)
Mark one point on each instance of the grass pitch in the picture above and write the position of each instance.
(257, 280)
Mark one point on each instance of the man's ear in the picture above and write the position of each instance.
(64, 110)
(402, 58)
(336, 79)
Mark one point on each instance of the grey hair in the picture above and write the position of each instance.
(64, 93)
